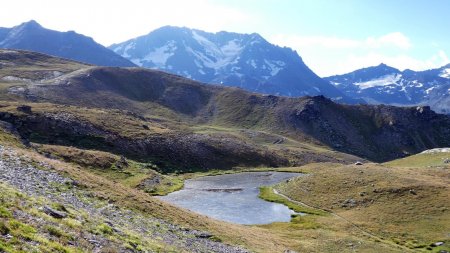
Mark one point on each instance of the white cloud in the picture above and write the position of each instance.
(395, 40)
(315, 41)
(400, 61)
(443, 56)
(333, 55)
(115, 21)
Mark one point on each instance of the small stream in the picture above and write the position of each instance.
(233, 197)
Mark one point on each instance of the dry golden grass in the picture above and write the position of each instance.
(422, 160)
(86, 158)
(407, 206)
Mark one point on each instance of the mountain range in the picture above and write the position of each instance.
(71, 45)
(383, 84)
(247, 61)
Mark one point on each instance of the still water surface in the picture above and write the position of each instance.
(233, 197)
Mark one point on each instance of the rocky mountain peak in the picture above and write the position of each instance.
(32, 24)
(232, 59)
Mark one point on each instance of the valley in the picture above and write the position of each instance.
(97, 143)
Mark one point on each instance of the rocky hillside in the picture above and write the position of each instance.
(42, 211)
(71, 45)
(179, 121)
(247, 61)
(386, 85)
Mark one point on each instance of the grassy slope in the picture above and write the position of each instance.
(303, 234)
(35, 231)
(407, 206)
(421, 160)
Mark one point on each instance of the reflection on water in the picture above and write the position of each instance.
(233, 197)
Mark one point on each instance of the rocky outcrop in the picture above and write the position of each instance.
(175, 151)
(377, 133)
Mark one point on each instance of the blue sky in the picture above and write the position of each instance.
(332, 36)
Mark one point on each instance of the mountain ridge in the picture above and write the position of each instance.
(383, 84)
(243, 60)
(71, 45)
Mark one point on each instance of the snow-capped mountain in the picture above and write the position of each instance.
(32, 36)
(386, 85)
(243, 60)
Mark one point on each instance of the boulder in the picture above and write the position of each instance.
(24, 108)
(54, 213)
(437, 244)
(122, 163)
(203, 235)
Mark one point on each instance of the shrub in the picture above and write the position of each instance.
(4, 229)
(21, 230)
(54, 231)
(103, 229)
(4, 213)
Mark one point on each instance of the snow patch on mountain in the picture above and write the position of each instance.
(252, 63)
(382, 81)
(128, 47)
(209, 46)
(429, 90)
(275, 66)
(160, 55)
(216, 57)
(445, 73)
(232, 49)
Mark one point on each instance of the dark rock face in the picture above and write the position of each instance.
(71, 45)
(247, 61)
